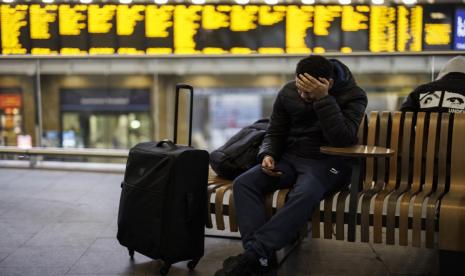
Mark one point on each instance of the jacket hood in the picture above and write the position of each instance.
(454, 65)
(342, 76)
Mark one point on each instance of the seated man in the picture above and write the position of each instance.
(445, 94)
(322, 106)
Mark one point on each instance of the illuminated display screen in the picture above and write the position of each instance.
(409, 28)
(130, 29)
(299, 29)
(214, 36)
(187, 20)
(15, 29)
(71, 29)
(244, 25)
(327, 28)
(44, 29)
(382, 29)
(355, 26)
(159, 29)
(459, 36)
(101, 26)
(271, 29)
(437, 30)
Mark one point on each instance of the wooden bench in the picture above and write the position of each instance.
(418, 191)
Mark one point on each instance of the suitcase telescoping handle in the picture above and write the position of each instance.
(180, 86)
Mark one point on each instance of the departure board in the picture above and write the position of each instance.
(14, 29)
(355, 26)
(101, 21)
(382, 29)
(327, 28)
(244, 33)
(214, 35)
(72, 29)
(187, 20)
(159, 29)
(130, 29)
(271, 29)
(409, 28)
(44, 29)
(438, 23)
(137, 29)
(299, 29)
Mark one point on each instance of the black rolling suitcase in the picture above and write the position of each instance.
(163, 200)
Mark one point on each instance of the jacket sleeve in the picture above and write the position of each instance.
(340, 123)
(276, 133)
(411, 103)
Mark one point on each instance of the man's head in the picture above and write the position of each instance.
(314, 77)
(316, 66)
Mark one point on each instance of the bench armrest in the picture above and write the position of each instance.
(358, 151)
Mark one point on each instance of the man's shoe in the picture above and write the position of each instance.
(240, 265)
(265, 267)
(264, 271)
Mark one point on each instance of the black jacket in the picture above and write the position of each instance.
(300, 128)
(446, 94)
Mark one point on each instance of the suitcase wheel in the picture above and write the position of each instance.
(191, 264)
(131, 253)
(165, 269)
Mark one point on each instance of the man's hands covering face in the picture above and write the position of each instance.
(310, 88)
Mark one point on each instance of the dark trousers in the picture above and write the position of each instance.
(310, 180)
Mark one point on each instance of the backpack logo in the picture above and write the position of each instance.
(334, 171)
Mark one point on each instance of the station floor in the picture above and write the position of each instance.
(64, 223)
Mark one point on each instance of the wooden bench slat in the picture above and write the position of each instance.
(452, 211)
(404, 179)
(219, 197)
(441, 181)
(429, 179)
(370, 190)
(396, 119)
(414, 187)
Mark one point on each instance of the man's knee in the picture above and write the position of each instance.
(309, 193)
(251, 179)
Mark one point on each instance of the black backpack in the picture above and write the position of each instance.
(240, 152)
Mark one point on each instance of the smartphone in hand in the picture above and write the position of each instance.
(272, 172)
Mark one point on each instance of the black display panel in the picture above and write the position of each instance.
(214, 34)
(187, 20)
(244, 29)
(382, 29)
(44, 29)
(130, 29)
(271, 29)
(159, 29)
(409, 28)
(327, 28)
(72, 29)
(101, 27)
(355, 25)
(438, 27)
(15, 29)
(299, 29)
(223, 28)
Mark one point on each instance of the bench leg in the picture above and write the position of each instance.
(353, 203)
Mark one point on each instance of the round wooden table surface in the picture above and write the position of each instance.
(358, 151)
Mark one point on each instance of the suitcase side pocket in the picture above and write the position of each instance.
(140, 220)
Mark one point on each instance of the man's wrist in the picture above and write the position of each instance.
(322, 97)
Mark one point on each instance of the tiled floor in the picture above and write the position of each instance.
(64, 223)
